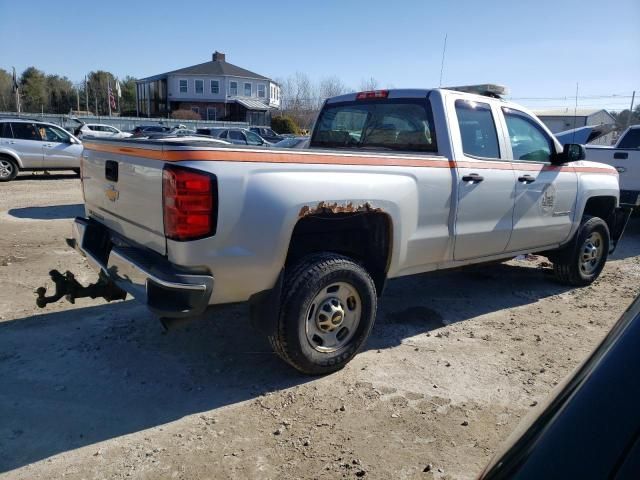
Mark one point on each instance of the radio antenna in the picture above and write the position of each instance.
(444, 50)
(575, 115)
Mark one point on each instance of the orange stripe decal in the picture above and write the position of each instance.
(309, 157)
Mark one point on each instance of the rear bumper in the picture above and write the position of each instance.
(167, 289)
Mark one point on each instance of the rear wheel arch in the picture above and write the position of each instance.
(366, 237)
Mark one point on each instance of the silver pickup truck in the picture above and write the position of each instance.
(394, 183)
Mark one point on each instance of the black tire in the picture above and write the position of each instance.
(567, 262)
(8, 169)
(302, 284)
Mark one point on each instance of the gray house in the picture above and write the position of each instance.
(569, 118)
(215, 90)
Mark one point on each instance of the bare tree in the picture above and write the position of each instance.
(369, 84)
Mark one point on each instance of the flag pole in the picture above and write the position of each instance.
(109, 95)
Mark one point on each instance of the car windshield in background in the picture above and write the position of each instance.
(386, 125)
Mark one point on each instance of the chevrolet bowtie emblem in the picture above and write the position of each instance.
(111, 193)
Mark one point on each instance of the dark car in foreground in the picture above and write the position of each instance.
(591, 427)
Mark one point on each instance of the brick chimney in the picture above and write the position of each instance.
(218, 57)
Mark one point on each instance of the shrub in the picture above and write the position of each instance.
(284, 125)
(185, 115)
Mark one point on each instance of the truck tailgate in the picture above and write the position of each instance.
(123, 191)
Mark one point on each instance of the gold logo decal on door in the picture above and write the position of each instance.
(111, 193)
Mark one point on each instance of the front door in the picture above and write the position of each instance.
(58, 149)
(486, 183)
(27, 142)
(545, 193)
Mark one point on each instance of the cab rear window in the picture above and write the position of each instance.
(399, 124)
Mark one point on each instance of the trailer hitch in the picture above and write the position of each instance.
(67, 286)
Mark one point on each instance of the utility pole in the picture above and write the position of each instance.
(633, 97)
(77, 99)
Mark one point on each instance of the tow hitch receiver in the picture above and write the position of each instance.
(67, 286)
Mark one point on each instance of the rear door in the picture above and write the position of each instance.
(28, 143)
(545, 194)
(58, 149)
(486, 182)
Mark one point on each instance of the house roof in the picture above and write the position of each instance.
(569, 112)
(250, 104)
(214, 67)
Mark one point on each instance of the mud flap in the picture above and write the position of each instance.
(619, 220)
(264, 308)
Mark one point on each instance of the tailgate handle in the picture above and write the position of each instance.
(621, 155)
(111, 170)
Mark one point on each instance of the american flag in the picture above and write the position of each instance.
(112, 98)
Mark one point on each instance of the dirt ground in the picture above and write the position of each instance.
(455, 361)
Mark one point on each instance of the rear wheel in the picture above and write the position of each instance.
(581, 262)
(327, 313)
(8, 169)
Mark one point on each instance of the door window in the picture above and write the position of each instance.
(528, 141)
(5, 130)
(25, 131)
(52, 134)
(477, 129)
(253, 139)
(235, 135)
(631, 139)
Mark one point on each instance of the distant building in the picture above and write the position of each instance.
(569, 118)
(215, 90)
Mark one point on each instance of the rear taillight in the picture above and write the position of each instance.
(189, 203)
(372, 94)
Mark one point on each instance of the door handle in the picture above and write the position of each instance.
(621, 155)
(111, 170)
(47, 145)
(473, 178)
(526, 179)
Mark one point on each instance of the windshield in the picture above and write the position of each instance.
(403, 124)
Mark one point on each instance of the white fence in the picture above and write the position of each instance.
(122, 123)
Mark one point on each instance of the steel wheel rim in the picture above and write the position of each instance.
(333, 317)
(591, 253)
(6, 169)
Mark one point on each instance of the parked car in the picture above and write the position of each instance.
(292, 142)
(590, 426)
(100, 130)
(415, 181)
(142, 130)
(28, 145)
(268, 134)
(241, 136)
(211, 131)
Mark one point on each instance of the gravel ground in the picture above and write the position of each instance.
(456, 360)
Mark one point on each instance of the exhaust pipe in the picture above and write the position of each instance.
(169, 324)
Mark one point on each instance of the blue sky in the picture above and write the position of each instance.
(538, 48)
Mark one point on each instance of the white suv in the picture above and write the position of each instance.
(100, 130)
(32, 145)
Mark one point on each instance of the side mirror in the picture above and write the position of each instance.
(572, 152)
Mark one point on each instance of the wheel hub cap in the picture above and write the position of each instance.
(592, 251)
(333, 317)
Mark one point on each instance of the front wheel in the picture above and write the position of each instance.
(582, 260)
(327, 313)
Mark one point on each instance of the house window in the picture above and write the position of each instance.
(183, 86)
(233, 88)
(195, 110)
(200, 86)
(215, 86)
(212, 113)
(261, 90)
(247, 89)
